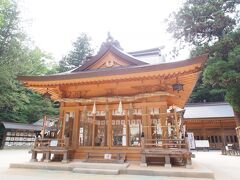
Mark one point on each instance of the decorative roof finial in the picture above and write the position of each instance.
(109, 38)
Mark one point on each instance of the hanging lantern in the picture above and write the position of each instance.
(177, 86)
(120, 108)
(47, 95)
(94, 110)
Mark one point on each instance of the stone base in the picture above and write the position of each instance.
(143, 164)
(167, 165)
(33, 160)
(108, 168)
(96, 171)
(65, 161)
(189, 166)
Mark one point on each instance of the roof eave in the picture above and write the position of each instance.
(117, 71)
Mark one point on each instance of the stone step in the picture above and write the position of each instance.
(96, 171)
(111, 166)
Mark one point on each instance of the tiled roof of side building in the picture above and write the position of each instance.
(20, 126)
(208, 110)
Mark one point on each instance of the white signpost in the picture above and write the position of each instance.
(107, 156)
(191, 140)
(202, 144)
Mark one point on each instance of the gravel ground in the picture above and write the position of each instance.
(224, 167)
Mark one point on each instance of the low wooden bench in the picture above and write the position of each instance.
(231, 150)
(167, 154)
(105, 157)
(48, 147)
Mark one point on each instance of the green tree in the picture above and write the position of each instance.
(80, 53)
(210, 26)
(16, 102)
(200, 22)
(223, 69)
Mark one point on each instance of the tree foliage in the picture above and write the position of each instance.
(16, 102)
(211, 27)
(80, 53)
(202, 21)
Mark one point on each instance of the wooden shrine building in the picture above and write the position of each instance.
(213, 122)
(116, 104)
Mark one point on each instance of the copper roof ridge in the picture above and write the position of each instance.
(103, 50)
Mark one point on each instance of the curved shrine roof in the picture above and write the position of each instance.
(117, 70)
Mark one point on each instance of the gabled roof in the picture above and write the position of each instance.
(198, 61)
(208, 110)
(19, 126)
(110, 46)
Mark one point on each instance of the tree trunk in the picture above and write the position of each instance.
(237, 120)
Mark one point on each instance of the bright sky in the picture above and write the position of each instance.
(137, 24)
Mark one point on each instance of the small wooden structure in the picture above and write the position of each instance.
(213, 122)
(17, 135)
(50, 146)
(113, 100)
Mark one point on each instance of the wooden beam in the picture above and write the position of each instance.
(116, 98)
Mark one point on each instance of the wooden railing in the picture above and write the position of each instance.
(164, 143)
(50, 143)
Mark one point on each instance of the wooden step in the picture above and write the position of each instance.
(96, 171)
(98, 165)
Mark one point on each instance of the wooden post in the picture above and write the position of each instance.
(63, 124)
(176, 123)
(60, 121)
(142, 143)
(75, 130)
(145, 122)
(127, 129)
(44, 125)
(109, 128)
(163, 111)
(93, 133)
(143, 154)
(167, 162)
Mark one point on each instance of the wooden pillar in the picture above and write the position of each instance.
(163, 112)
(75, 130)
(63, 124)
(176, 123)
(60, 121)
(110, 128)
(145, 122)
(93, 133)
(223, 134)
(127, 129)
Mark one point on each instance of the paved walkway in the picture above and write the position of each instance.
(224, 167)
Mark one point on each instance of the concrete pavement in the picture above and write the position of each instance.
(224, 167)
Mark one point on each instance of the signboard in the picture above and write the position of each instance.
(107, 156)
(202, 143)
(191, 140)
(53, 143)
